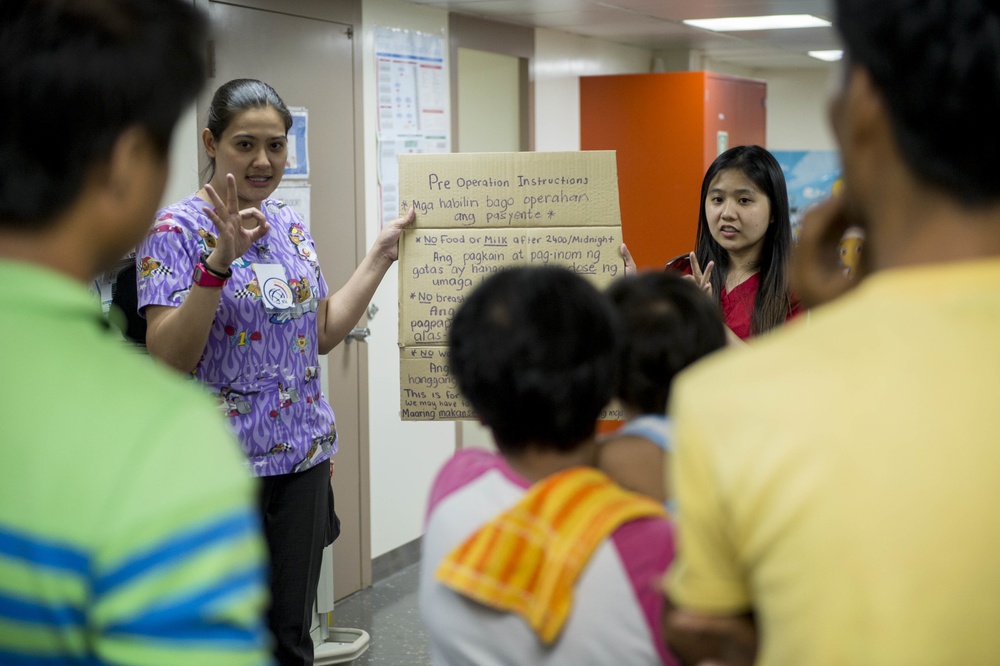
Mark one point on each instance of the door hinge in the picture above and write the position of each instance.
(350, 32)
(210, 59)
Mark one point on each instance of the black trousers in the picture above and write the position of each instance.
(299, 521)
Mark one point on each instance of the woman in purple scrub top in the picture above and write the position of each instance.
(233, 293)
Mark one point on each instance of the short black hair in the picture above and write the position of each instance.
(669, 323)
(234, 97)
(937, 64)
(75, 74)
(535, 351)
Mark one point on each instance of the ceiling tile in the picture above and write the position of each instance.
(656, 25)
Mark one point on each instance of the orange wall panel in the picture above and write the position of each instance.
(664, 129)
(737, 106)
(655, 122)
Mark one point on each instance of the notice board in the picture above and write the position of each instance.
(480, 212)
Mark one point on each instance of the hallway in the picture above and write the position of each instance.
(388, 612)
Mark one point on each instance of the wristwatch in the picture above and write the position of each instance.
(204, 277)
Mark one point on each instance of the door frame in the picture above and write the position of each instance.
(349, 13)
(470, 32)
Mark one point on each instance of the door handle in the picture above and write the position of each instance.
(360, 334)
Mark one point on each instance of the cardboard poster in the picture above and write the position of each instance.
(480, 212)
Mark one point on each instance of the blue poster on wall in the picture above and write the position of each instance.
(809, 176)
(297, 164)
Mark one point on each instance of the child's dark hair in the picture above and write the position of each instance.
(668, 324)
(773, 300)
(535, 351)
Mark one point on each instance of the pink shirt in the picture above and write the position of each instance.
(616, 616)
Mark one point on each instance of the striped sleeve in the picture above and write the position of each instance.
(43, 599)
(195, 598)
(174, 572)
(192, 599)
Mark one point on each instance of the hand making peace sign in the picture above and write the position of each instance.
(702, 278)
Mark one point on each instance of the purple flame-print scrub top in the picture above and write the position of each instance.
(262, 360)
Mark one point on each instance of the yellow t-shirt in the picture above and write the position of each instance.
(842, 477)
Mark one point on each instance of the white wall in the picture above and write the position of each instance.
(488, 102)
(797, 108)
(796, 102)
(404, 456)
(560, 60)
(699, 60)
(183, 178)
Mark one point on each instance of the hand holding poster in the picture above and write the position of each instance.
(477, 213)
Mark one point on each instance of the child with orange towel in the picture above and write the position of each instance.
(533, 556)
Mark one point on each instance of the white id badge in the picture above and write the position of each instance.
(274, 289)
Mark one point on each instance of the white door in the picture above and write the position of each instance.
(309, 59)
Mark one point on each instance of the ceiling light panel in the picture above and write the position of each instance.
(830, 56)
(745, 23)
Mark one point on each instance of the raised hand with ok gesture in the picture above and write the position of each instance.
(236, 230)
